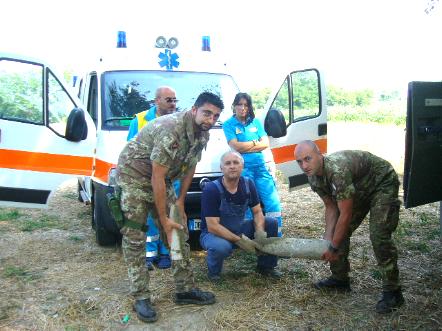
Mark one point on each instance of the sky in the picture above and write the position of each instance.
(380, 44)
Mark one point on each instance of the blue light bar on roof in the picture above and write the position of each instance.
(206, 44)
(121, 40)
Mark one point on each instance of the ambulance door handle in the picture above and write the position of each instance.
(429, 132)
(429, 129)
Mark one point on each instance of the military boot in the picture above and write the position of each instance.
(331, 283)
(390, 301)
(144, 310)
(269, 272)
(195, 296)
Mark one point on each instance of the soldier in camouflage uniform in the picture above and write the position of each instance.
(351, 184)
(165, 150)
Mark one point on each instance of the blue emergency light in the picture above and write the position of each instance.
(121, 40)
(206, 44)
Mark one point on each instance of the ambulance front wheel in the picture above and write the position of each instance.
(105, 235)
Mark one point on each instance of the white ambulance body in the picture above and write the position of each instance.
(124, 83)
(45, 138)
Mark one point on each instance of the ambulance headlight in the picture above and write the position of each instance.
(112, 177)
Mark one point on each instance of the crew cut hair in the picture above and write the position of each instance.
(210, 98)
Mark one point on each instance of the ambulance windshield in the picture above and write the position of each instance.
(127, 93)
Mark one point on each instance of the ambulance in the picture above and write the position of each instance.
(48, 134)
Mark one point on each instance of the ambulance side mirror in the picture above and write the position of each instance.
(274, 123)
(76, 127)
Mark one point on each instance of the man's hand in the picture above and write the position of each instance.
(260, 236)
(329, 256)
(248, 245)
(168, 225)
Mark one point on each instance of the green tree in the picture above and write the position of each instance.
(21, 95)
(260, 97)
(125, 102)
(337, 96)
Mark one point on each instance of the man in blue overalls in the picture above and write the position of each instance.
(165, 103)
(223, 206)
(246, 135)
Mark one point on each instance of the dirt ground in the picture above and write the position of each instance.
(55, 277)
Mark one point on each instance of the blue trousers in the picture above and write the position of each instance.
(267, 192)
(218, 249)
(154, 245)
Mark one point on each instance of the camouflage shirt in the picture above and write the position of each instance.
(352, 175)
(170, 141)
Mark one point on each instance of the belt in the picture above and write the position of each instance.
(135, 225)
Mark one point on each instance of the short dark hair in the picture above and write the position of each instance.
(209, 97)
(248, 98)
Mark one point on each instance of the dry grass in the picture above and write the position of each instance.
(57, 278)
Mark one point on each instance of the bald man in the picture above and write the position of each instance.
(165, 103)
(351, 184)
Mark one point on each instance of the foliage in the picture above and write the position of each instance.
(300, 272)
(306, 95)
(365, 105)
(20, 96)
(260, 97)
(339, 96)
(381, 113)
(44, 222)
(20, 273)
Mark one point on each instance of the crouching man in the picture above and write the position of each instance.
(223, 206)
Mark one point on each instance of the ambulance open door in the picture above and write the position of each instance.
(423, 144)
(301, 101)
(45, 136)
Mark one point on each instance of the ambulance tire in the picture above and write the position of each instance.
(100, 213)
(79, 189)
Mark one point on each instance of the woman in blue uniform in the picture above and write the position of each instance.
(246, 135)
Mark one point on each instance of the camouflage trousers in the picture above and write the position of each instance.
(136, 203)
(384, 217)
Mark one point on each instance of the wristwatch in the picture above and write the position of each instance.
(255, 142)
(332, 248)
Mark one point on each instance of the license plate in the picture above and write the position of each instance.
(194, 224)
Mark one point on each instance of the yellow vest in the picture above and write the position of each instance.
(141, 119)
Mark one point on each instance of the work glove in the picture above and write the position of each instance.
(248, 245)
(260, 236)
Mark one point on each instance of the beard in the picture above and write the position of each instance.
(204, 127)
